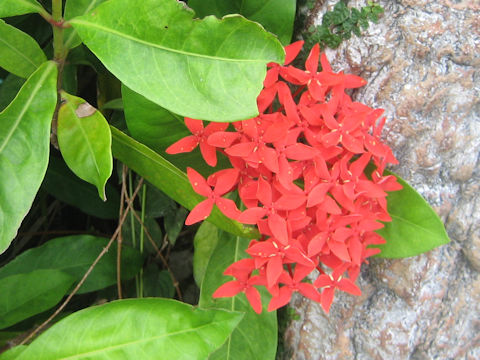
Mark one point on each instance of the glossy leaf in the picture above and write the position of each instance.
(85, 141)
(126, 329)
(24, 148)
(205, 242)
(19, 52)
(25, 295)
(19, 7)
(415, 227)
(74, 255)
(165, 176)
(199, 69)
(244, 342)
(61, 183)
(277, 16)
(158, 128)
(74, 8)
(13, 353)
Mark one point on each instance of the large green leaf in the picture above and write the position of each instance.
(19, 7)
(415, 227)
(74, 8)
(256, 335)
(158, 128)
(277, 16)
(135, 329)
(13, 353)
(25, 295)
(24, 148)
(85, 141)
(74, 255)
(19, 52)
(61, 183)
(169, 179)
(201, 69)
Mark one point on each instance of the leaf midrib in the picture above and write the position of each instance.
(19, 53)
(125, 344)
(399, 218)
(158, 46)
(26, 106)
(80, 126)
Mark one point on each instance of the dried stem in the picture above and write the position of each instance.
(120, 238)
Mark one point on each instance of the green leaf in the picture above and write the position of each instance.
(74, 8)
(200, 69)
(61, 183)
(158, 128)
(24, 148)
(415, 227)
(157, 283)
(115, 104)
(25, 295)
(277, 16)
(173, 182)
(256, 335)
(151, 124)
(85, 141)
(9, 89)
(157, 204)
(173, 223)
(13, 353)
(126, 329)
(74, 255)
(205, 241)
(19, 7)
(19, 52)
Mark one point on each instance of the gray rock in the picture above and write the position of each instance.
(422, 64)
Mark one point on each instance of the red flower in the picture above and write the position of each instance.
(224, 184)
(299, 169)
(200, 136)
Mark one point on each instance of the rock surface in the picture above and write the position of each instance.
(422, 64)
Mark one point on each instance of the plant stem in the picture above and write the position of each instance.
(142, 232)
(58, 48)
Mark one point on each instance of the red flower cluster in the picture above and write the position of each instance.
(299, 169)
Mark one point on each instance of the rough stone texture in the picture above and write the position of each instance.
(422, 62)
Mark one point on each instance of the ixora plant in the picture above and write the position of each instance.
(295, 190)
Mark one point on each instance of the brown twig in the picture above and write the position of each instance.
(85, 276)
(120, 238)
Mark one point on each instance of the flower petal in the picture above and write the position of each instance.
(199, 184)
(228, 289)
(183, 145)
(199, 212)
